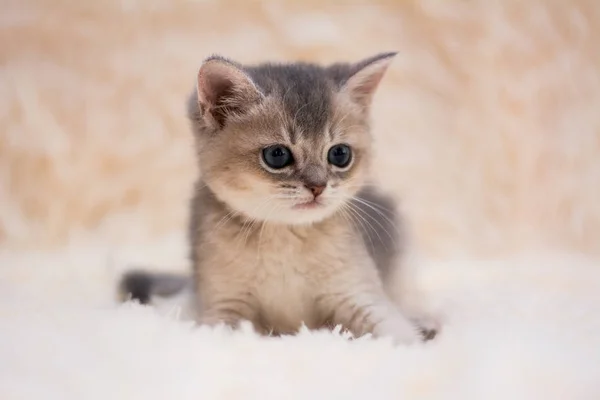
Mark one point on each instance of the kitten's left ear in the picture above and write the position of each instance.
(364, 77)
(224, 89)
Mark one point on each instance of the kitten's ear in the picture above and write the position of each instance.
(362, 79)
(224, 90)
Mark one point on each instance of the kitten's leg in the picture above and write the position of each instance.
(230, 309)
(364, 310)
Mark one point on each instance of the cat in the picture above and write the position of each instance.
(286, 229)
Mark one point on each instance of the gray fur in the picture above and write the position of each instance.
(141, 286)
(383, 230)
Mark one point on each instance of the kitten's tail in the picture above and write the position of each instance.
(141, 286)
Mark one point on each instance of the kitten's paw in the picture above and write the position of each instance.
(401, 330)
(428, 328)
(214, 321)
(427, 334)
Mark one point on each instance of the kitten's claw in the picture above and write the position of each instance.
(428, 334)
(429, 328)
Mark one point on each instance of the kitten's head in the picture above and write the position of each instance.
(286, 143)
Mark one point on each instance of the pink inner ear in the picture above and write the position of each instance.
(214, 81)
(367, 85)
(223, 89)
(212, 85)
(363, 84)
(220, 81)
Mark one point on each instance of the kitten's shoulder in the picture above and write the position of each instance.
(382, 229)
(203, 205)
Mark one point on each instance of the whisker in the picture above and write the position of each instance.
(197, 189)
(261, 232)
(262, 228)
(351, 183)
(287, 197)
(362, 221)
(376, 207)
(231, 214)
(392, 239)
(250, 222)
(361, 213)
(241, 232)
(352, 220)
(287, 186)
(249, 232)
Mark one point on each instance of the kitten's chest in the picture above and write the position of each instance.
(288, 274)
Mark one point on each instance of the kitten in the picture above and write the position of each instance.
(285, 230)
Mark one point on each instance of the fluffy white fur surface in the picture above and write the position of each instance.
(526, 328)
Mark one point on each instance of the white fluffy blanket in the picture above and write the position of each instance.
(520, 328)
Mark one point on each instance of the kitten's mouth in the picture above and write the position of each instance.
(308, 205)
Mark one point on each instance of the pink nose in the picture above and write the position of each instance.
(316, 190)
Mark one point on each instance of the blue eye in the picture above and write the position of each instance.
(277, 156)
(339, 155)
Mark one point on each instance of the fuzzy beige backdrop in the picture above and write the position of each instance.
(487, 124)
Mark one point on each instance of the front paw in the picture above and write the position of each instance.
(427, 334)
(429, 328)
(400, 330)
(221, 320)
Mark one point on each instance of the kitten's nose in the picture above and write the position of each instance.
(316, 190)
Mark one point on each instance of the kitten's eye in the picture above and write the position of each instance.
(339, 155)
(277, 156)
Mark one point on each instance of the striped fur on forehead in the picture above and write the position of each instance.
(304, 91)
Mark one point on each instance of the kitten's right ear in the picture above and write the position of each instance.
(361, 80)
(224, 90)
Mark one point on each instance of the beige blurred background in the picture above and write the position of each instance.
(487, 125)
